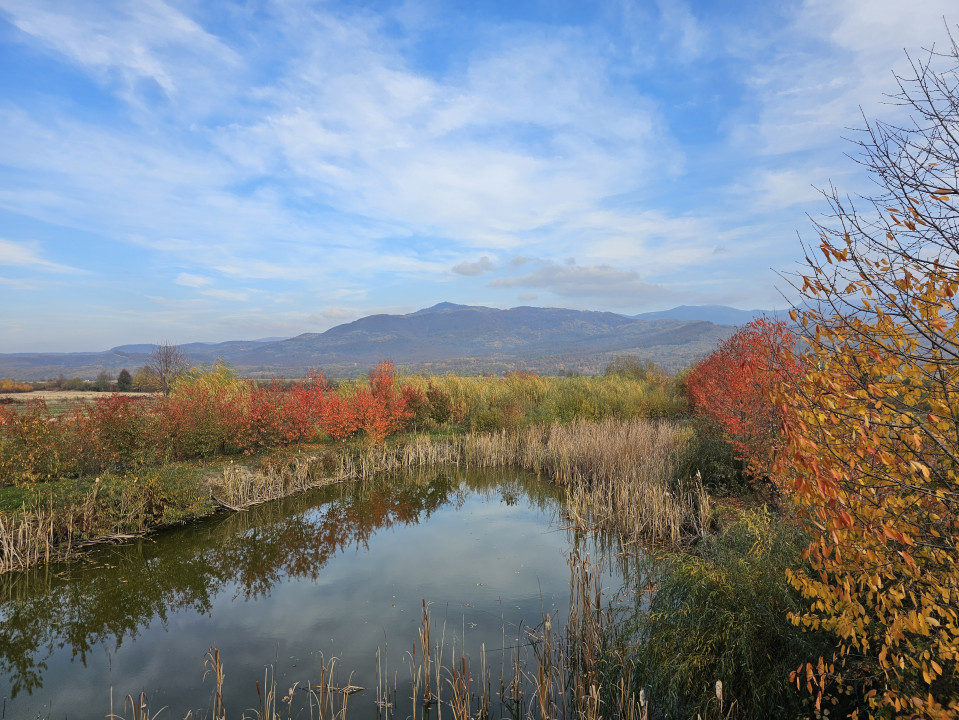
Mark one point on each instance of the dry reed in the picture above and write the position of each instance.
(551, 676)
(554, 675)
(623, 476)
(25, 540)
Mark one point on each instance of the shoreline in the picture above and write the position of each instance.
(608, 482)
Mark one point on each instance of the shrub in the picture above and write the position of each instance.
(124, 432)
(441, 406)
(12, 386)
(33, 445)
(733, 388)
(204, 412)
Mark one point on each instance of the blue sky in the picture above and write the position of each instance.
(211, 170)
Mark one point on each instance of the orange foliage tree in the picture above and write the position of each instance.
(381, 409)
(872, 423)
(732, 387)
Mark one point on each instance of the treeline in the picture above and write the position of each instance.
(210, 412)
(143, 379)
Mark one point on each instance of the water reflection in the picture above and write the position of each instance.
(60, 615)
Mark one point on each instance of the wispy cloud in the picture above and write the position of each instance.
(233, 295)
(134, 46)
(23, 285)
(190, 280)
(29, 255)
(325, 156)
(478, 267)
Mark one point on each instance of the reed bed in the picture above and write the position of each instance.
(525, 399)
(623, 476)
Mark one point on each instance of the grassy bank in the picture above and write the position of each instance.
(626, 476)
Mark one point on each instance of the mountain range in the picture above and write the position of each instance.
(442, 338)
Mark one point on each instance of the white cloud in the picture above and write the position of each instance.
(337, 313)
(128, 44)
(680, 26)
(318, 160)
(28, 255)
(615, 287)
(835, 60)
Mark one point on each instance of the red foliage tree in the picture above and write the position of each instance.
(381, 409)
(733, 388)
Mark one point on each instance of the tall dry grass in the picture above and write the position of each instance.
(623, 476)
(55, 525)
(26, 540)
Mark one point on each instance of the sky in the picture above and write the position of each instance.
(209, 170)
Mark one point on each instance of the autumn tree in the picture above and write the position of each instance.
(732, 388)
(103, 381)
(124, 381)
(168, 361)
(145, 379)
(872, 424)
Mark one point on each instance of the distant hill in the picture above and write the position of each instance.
(718, 314)
(445, 337)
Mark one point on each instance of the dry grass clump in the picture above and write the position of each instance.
(25, 540)
(54, 525)
(625, 476)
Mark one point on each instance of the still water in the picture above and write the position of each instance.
(340, 572)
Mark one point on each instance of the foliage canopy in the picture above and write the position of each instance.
(872, 424)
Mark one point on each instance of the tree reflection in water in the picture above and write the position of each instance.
(109, 596)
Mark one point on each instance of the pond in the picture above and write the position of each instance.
(340, 572)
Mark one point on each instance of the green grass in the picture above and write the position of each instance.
(720, 613)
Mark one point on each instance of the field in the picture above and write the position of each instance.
(58, 401)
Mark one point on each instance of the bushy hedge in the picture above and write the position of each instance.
(211, 412)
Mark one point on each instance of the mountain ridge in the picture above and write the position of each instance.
(444, 337)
